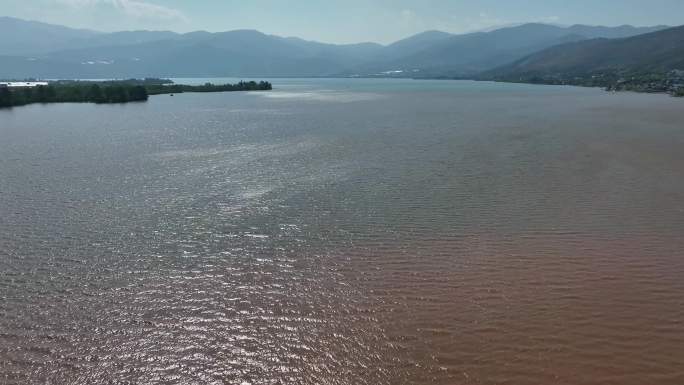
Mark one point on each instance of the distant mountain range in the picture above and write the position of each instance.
(468, 54)
(659, 51)
(47, 51)
(21, 37)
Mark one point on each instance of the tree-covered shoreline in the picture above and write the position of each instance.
(107, 92)
(208, 87)
(671, 82)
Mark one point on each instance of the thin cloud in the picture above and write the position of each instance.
(483, 22)
(487, 23)
(133, 8)
(550, 19)
(407, 14)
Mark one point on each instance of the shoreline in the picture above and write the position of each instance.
(111, 92)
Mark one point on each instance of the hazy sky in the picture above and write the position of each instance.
(342, 21)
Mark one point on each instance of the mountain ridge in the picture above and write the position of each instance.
(652, 62)
(91, 54)
(660, 51)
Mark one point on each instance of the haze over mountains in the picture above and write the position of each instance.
(659, 51)
(48, 51)
(464, 55)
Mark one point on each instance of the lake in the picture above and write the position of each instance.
(345, 232)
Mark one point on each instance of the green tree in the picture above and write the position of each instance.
(41, 94)
(137, 93)
(5, 97)
(27, 94)
(50, 93)
(95, 94)
(115, 94)
(74, 94)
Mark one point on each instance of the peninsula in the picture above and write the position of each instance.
(102, 92)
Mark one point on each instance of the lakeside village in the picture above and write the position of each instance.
(671, 82)
(19, 93)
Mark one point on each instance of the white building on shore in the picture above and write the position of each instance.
(22, 84)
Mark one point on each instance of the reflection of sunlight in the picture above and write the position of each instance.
(323, 96)
(240, 153)
(256, 193)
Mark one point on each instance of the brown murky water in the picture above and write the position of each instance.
(345, 232)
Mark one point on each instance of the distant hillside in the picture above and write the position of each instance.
(414, 44)
(21, 37)
(117, 39)
(656, 51)
(591, 31)
(45, 51)
(197, 54)
(465, 55)
(470, 53)
(653, 62)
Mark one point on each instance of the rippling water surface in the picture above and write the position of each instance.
(345, 232)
